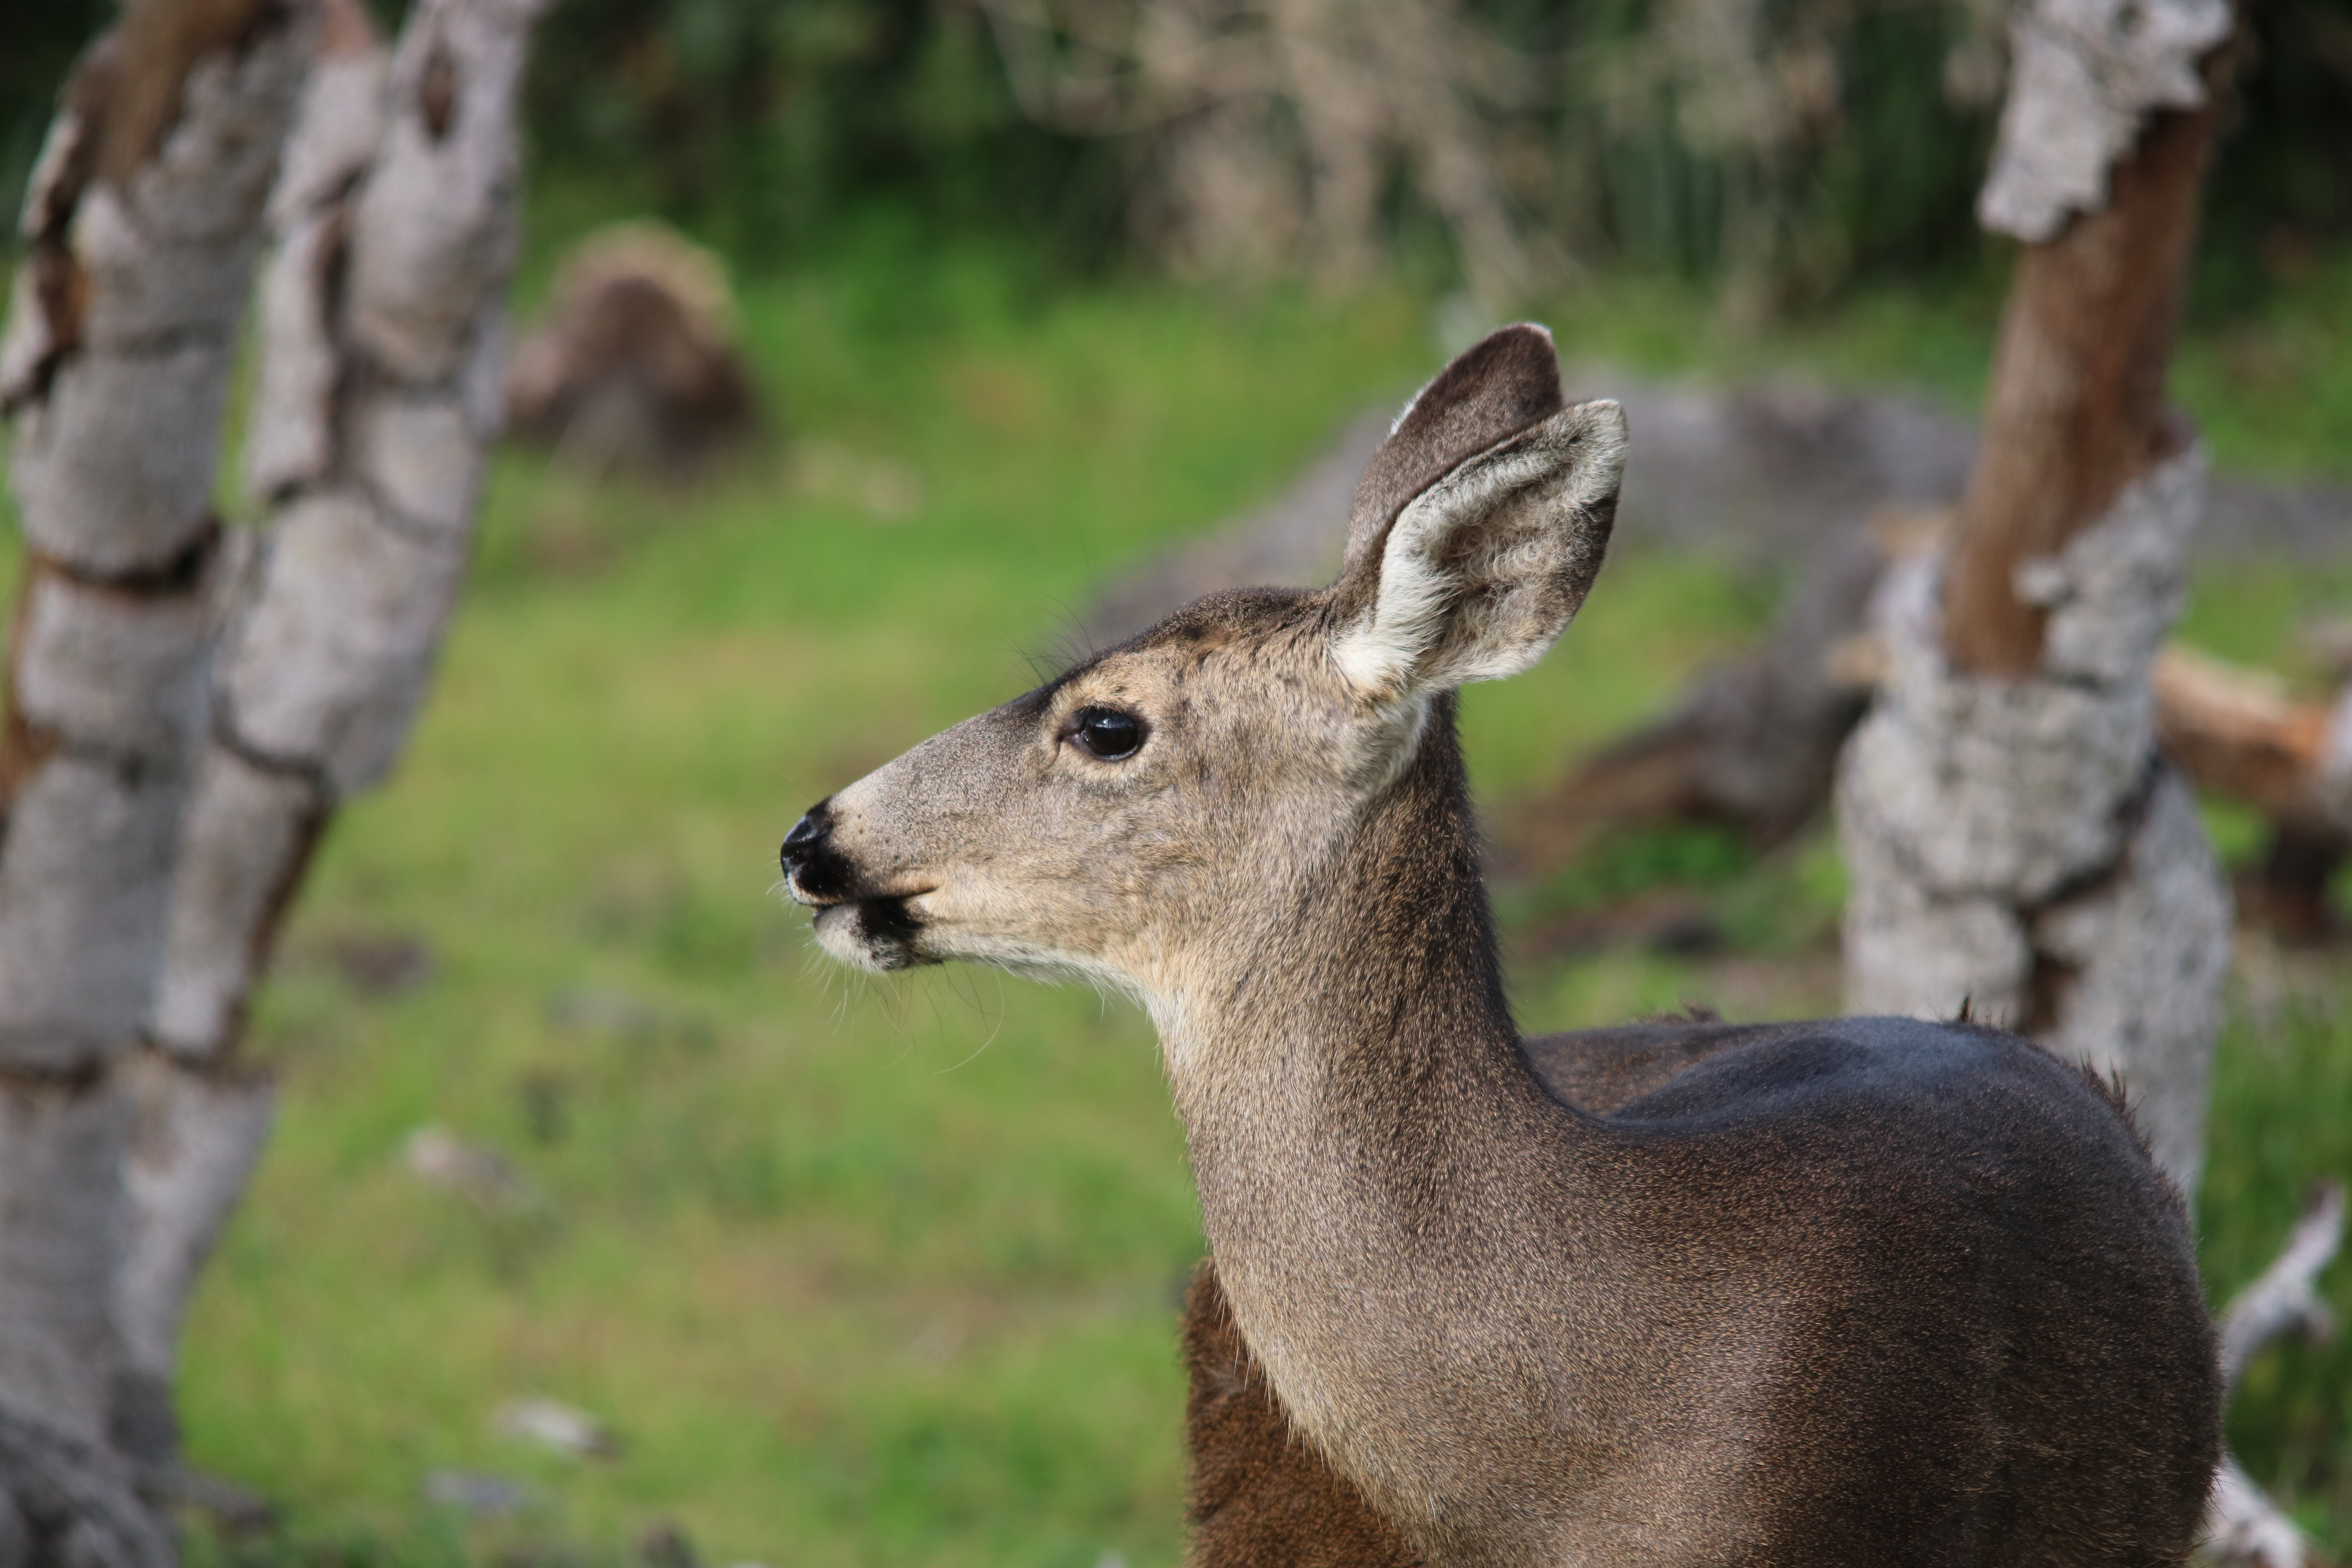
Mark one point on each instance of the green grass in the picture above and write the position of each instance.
(885, 1274)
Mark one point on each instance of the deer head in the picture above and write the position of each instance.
(1156, 808)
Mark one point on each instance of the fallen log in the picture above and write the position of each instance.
(1751, 743)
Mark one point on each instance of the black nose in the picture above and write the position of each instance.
(801, 844)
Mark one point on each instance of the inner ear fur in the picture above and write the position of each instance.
(1480, 572)
(1506, 384)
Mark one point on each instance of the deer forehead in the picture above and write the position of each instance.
(1234, 694)
(1219, 672)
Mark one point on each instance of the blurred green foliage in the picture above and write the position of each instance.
(43, 36)
(766, 124)
(778, 130)
(2291, 1424)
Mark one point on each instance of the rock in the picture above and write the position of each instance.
(437, 1156)
(471, 1491)
(666, 1545)
(634, 367)
(557, 1427)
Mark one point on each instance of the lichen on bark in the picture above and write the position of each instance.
(2085, 76)
(2017, 845)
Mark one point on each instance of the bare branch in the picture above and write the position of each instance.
(2243, 1528)
(2286, 1299)
(2235, 729)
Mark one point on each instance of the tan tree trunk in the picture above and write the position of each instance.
(144, 220)
(383, 314)
(2014, 841)
(130, 751)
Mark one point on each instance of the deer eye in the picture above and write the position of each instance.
(1105, 733)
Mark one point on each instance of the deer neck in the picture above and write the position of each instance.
(1361, 1121)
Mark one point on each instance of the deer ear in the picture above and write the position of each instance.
(1507, 382)
(1481, 571)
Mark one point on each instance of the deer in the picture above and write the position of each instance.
(1853, 1291)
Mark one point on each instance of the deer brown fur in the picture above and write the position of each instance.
(1259, 1495)
(1865, 1291)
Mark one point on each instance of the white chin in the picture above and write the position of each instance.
(841, 932)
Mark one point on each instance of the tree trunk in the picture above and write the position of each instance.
(2014, 841)
(382, 327)
(2018, 845)
(142, 220)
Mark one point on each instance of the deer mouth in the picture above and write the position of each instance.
(875, 933)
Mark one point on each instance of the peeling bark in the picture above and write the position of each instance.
(383, 312)
(434, 230)
(2014, 841)
(2018, 845)
(1752, 744)
(2076, 408)
(376, 405)
(2086, 75)
(248, 835)
(141, 229)
(61, 1146)
(288, 439)
(381, 331)
(195, 1138)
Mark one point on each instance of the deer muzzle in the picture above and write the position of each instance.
(859, 925)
